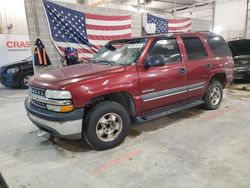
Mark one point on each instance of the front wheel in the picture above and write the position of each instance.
(24, 81)
(106, 125)
(214, 95)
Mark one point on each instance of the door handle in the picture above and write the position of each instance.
(208, 66)
(182, 71)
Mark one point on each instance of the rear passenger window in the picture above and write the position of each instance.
(168, 48)
(195, 48)
(218, 46)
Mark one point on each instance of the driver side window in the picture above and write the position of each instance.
(168, 48)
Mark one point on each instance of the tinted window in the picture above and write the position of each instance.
(218, 46)
(240, 47)
(168, 48)
(195, 48)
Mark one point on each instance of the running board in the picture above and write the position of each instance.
(167, 111)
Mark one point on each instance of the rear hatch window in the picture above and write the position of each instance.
(218, 46)
(240, 47)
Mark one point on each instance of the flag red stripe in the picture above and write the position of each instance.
(107, 28)
(179, 28)
(80, 50)
(173, 21)
(106, 18)
(97, 47)
(114, 37)
(61, 48)
(85, 58)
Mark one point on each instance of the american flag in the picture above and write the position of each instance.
(85, 32)
(162, 25)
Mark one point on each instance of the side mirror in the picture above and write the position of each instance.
(155, 60)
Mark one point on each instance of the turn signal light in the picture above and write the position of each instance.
(66, 108)
(55, 108)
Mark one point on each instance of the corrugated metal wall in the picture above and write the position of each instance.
(13, 12)
(230, 17)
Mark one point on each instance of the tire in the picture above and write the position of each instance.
(106, 125)
(25, 79)
(214, 95)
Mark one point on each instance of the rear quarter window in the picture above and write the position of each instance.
(218, 46)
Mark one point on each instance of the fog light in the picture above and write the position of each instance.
(55, 108)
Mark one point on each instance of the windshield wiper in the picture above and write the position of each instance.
(104, 62)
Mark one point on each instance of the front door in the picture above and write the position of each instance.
(165, 84)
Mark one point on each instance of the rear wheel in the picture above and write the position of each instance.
(106, 125)
(25, 80)
(214, 95)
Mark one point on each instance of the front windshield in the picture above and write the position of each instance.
(120, 52)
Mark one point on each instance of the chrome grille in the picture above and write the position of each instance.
(37, 97)
(38, 93)
(38, 103)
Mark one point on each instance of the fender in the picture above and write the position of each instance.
(85, 91)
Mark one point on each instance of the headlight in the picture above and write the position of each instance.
(54, 94)
(12, 70)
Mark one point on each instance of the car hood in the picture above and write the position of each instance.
(15, 64)
(60, 77)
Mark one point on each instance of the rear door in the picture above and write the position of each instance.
(198, 61)
(166, 84)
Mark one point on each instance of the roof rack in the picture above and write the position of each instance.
(169, 33)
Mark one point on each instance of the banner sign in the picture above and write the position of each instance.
(14, 48)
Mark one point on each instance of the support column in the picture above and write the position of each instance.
(213, 18)
(246, 21)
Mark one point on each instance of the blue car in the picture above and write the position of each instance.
(17, 74)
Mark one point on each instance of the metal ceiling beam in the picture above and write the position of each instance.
(151, 9)
(195, 5)
(100, 2)
(156, 10)
(173, 2)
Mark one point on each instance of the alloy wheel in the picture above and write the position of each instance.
(109, 127)
(215, 96)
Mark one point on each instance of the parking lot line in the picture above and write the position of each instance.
(117, 161)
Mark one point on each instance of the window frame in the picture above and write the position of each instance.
(167, 38)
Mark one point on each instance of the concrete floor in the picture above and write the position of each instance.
(193, 148)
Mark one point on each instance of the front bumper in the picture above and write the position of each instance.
(10, 80)
(64, 125)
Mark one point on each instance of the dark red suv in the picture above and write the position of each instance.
(132, 79)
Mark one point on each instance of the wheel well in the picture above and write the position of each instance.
(123, 98)
(221, 77)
